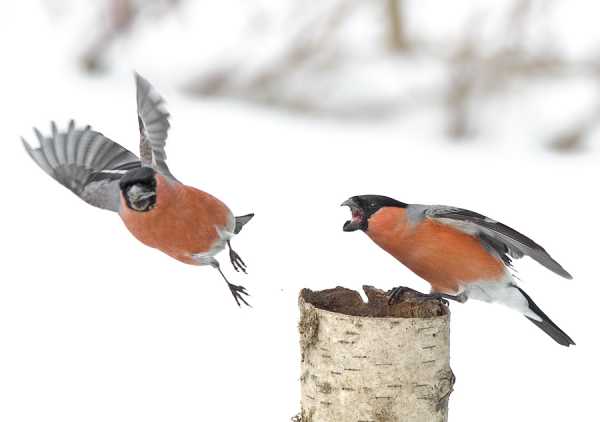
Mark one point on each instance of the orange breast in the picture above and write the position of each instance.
(183, 222)
(440, 254)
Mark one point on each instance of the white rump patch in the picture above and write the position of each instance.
(502, 292)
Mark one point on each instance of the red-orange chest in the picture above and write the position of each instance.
(185, 221)
(445, 257)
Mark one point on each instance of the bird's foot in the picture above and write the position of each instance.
(236, 261)
(237, 292)
(397, 292)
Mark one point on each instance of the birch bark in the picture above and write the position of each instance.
(373, 362)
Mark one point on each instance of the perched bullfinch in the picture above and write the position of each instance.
(461, 253)
(186, 223)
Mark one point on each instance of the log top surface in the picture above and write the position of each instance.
(349, 302)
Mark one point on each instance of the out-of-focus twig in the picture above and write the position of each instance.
(478, 73)
(311, 40)
(121, 16)
(397, 37)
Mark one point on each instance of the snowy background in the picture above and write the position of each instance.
(484, 106)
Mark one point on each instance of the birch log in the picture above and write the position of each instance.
(372, 362)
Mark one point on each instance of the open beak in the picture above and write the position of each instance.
(145, 195)
(348, 203)
(357, 217)
(139, 193)
(141, 198)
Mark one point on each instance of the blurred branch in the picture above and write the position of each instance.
(314, 57)
(477, 73)
(310, 41)
(572, 138)
(122, 15)
(396, 26)
(120, 18)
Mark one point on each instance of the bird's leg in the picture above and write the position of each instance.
(397, 292)
(236, 260)
(236, 291)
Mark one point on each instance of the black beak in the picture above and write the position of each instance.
(349, 203)
(350, 226)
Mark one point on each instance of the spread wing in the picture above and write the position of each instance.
(85, 161)
(153, 120)
(507, 242)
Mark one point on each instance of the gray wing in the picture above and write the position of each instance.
(153, 120)
(507, 242)
(84, 161)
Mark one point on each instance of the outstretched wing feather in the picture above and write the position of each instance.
(500, 237)
(78, 158)
(154, 125)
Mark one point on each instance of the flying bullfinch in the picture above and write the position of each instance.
(186, 223)
(461, 253)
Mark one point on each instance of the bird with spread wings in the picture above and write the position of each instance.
(186, 223)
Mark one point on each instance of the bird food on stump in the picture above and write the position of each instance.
(373, 362)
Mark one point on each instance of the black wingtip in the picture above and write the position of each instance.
(546, 324)
(557, 268)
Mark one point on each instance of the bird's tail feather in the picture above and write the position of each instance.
(546, 324)
(241, 221)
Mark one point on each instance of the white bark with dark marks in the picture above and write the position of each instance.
(373, 362)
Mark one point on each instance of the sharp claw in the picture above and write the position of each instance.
(394, 294)
(237, 292)
(235, 298)
(397, 292)
(243, 300)
(237, 262)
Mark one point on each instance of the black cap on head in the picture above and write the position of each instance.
(138, 187)
(139, 176)
(364, 206)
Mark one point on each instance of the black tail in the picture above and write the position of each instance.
(546, 323)
(240, 221)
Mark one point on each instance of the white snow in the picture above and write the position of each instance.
(94, 326)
